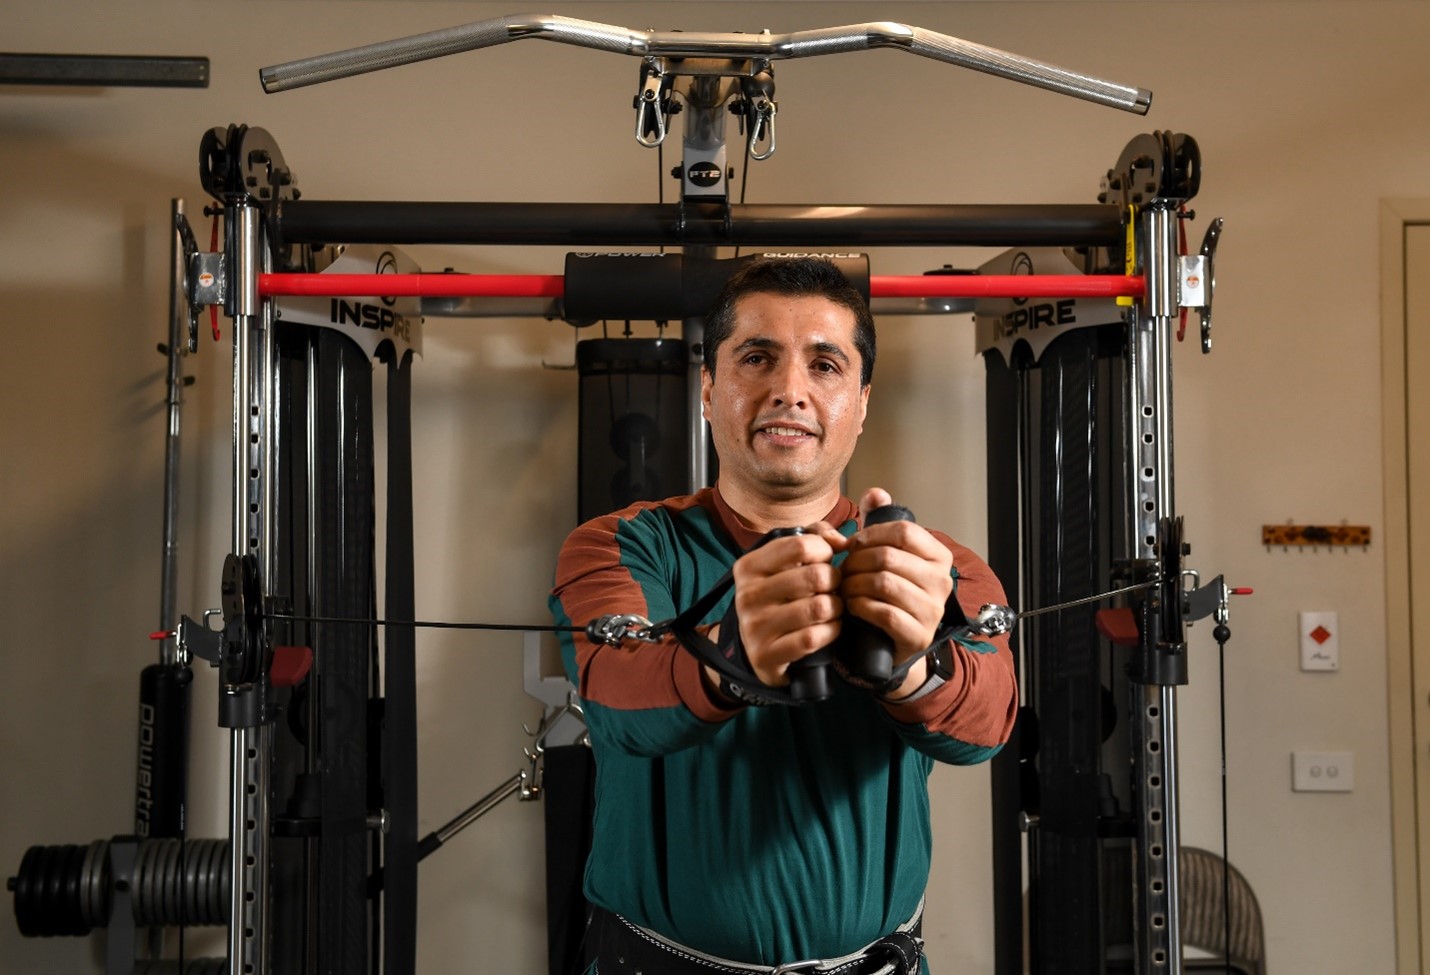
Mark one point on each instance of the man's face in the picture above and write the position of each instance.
(786, 408)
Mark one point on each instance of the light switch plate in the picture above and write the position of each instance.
(1322, 772)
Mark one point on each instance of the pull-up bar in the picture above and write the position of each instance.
(693, 223)
(652, 44)
(554, 285)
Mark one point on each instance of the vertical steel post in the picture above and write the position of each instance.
(178, 326)
(696, 435)
(251, 746)
(703, 158)
(1154, 728)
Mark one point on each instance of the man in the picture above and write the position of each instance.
(739, 838)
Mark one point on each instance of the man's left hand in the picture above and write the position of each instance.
(897, 577)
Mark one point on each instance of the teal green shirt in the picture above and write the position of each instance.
(763, 835)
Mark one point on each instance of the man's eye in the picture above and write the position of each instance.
(825, 366)
(756, 358)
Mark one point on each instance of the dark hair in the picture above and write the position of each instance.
(815, 277)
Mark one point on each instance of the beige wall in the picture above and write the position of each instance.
(1307, 114)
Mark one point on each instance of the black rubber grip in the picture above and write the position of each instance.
(864, 651)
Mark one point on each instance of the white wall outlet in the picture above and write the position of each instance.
(1320, 641)
(1322, 772)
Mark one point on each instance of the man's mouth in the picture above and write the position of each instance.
(785, 436)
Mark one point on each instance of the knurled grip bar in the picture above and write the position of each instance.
(652, 224)
(691, 44)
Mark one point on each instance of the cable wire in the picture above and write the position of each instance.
(1222, 634)
(429, 624)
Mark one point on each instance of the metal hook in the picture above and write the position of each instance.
(993, 620)
(613, 629)
(189, 247)
(529, 787)
(533, 776)
(1208, 253)
(550, 721)
(542, 730)
(649, 116)
(764, 110)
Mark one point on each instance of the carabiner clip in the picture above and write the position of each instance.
(650, 119)
(612, 630)
(762, 125)
(993, 620)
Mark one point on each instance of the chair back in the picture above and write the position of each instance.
(1204, 925)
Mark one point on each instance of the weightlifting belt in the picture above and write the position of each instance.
(624, 948)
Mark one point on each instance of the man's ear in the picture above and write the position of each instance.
(864, 404)
(707, 379)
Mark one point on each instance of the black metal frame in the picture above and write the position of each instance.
(708, 224)
(244, 168)
(303, 511)
(103, 70)
(1056, 448)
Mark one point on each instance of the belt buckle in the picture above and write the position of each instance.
(796, 967)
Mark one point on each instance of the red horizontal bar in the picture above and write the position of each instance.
(1007, 286)
(554, 285)
(414, 285)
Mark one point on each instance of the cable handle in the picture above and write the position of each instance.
(864, 651)
(809, 675)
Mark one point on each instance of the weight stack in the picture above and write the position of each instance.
(632, 440)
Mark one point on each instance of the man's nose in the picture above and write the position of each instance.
(790, 385)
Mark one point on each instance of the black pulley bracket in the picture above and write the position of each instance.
(239, 161)
(241, 662)
(1163, 166)
(244, 651)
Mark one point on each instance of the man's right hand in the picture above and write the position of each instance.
(787, 600)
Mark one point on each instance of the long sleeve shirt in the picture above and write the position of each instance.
(757, 834)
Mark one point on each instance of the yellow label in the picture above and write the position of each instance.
(1129, 257)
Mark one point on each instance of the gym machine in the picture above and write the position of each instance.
(322, 848)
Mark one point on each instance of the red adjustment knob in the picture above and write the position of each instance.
(290, 666)
(1243, 591)
(161, 634)
(1118, 625)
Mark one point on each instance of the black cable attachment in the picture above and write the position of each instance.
(953, 624)
(809, 677)
(615, 629)
(737, 679)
